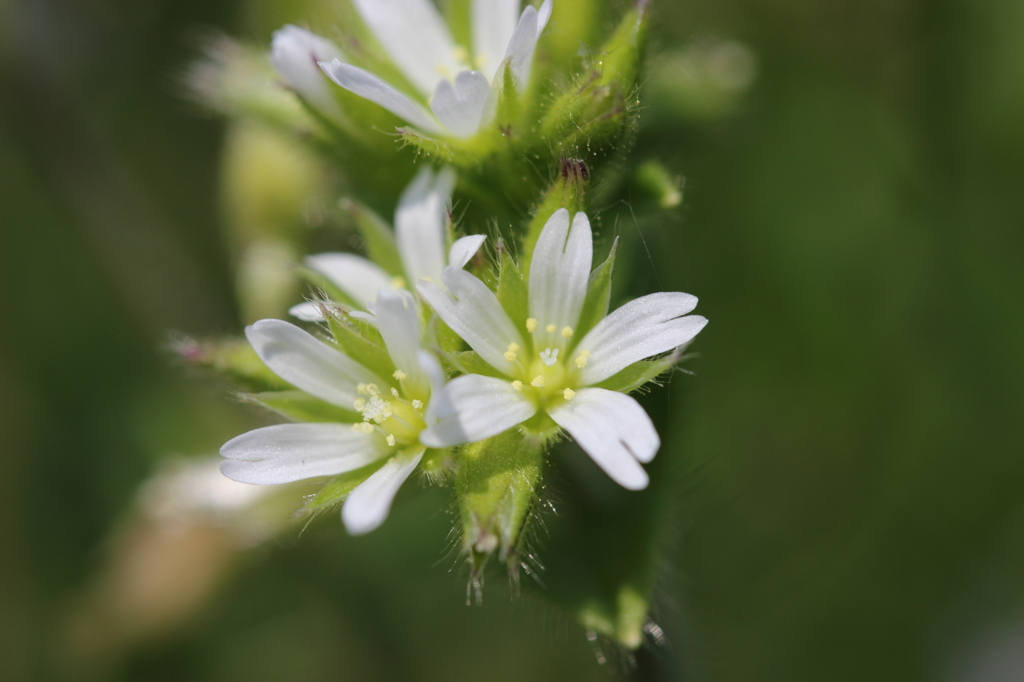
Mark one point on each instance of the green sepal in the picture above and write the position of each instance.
(326, 287)
(512, 291)
(377, 237)
(338, 488)
(497, 482)
(361, 342)
(621, 620)
(569, 190)
(470, 362)
(437, 464)
(302, 407)
(510, 104)
(639, 373)
(599, 293)
(233, 359)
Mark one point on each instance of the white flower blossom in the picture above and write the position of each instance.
(420, 221)
(393, 412)
(294, 53)
(545, 366)
(458, 82)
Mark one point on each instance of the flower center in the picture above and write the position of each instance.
(395, 417)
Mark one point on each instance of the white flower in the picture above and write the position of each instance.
(392, 409)
(458, 82)
(294, 53)
(546, 367)
(420, 221)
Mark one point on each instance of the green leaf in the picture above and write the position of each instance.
(302, 407)
(512, 291)
(338, 488)
(377, 236)
(599, 292)
(361, 342)
(496, 484)
(639, 373)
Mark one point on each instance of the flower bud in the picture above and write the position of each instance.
(590, 116)
(569, 190)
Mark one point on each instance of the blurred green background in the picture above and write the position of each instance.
(848, 482)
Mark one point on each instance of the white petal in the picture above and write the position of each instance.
(420, 223)
(415, 36)
(294, 53)
(358, 277)
(464, 249)
(309, 364)
(474, 407)
(493, 24)
(291, 452)
(559, 273)
(465, 106)
(368, 505)
(474, 313)
(614, 430)
(434, 371)
(647, 326)
(523, 43)
(366, 85)
(397, 320)
(307, 312)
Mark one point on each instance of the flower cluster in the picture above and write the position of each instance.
(463, 349)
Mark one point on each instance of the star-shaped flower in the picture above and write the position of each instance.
(544, 366)
(457, 82)
(384, 444)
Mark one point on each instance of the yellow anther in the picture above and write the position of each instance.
(513, 347)
(398, 282)
(362, 388)
(510, 355)
(394, 392)
(581, 359)
(566, 332)
(417, 404)
(372, 389)
(568, 394)
(538, 381)
(399, 374)
(391, 440)
(518, 385)
(461, 54)
(359, 404)
(531, 325)
(550, 329)
(363, 427)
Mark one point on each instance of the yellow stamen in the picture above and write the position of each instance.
(513, 347)
(363, 427)
(550, 329)
(398, 283)
(394, 392)
(372, 389)
(417, 404)
(399, 374)
(359, 404)
(581, 360)
(568, 394)
(362, 388)
(531, 325)
(510, 355)
(518, 385)
(566, 332)
(538, 381)
(391, 440)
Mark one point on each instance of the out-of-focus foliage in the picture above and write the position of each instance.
(842, 476)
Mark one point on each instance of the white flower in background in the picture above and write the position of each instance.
(420, 235)
(546, 367)
(294, 53)
(392, 409)
(458, 82)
